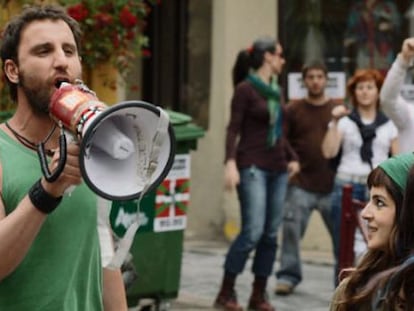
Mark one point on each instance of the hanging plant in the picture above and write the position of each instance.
(112, 30)
(112, 33)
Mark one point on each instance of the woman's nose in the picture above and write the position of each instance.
(366, 211)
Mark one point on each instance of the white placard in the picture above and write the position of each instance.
(334, 89)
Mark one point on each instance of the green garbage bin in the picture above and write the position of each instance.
(157, 247)
(5, 115)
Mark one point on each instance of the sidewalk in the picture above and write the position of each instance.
(201, 275)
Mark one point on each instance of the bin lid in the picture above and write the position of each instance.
(184, 129)
(177, 118)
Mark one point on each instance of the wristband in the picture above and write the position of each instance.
(42, 200)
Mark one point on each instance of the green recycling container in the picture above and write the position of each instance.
(5, 115)
(156, 251)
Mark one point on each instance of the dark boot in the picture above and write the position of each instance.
(226, 298)
(258, 300)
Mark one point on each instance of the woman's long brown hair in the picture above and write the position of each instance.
(359, 289)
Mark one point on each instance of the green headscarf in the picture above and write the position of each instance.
(397, 168)
(272, 94)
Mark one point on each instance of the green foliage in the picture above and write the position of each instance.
(112, 32)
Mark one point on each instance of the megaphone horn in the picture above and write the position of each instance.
(125, 149)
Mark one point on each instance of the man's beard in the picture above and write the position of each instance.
(316, 94)
(37, 94)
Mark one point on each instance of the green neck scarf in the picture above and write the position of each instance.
(272, 94)
(398, 167)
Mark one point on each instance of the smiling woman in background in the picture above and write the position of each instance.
(359, 139)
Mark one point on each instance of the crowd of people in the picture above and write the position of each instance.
(288, 159)
(285, 160)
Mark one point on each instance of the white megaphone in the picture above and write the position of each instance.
(125, 149)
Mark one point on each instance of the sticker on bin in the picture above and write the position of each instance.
(123, 214)
(173, 196)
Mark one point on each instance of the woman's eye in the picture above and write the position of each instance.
(379, 203)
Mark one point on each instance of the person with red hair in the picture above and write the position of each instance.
(358, 139)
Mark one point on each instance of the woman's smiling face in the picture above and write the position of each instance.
(379, 214)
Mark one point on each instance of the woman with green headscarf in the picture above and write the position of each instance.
(389, 215)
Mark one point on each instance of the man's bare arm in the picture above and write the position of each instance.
(19, 229)
(114, 296)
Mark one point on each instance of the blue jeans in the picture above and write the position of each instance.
(359, 192)
(261, 195)
(299, 205)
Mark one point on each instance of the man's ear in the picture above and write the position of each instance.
(11, 71)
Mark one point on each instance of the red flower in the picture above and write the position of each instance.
(103, 19)
(115, 41)
(134, 88)
(78, 11)
(127, 19)
(112, 30)
(148, 9)
(130, 35)
(146, 53)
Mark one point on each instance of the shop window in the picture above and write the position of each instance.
(175, 72)
(345, 34)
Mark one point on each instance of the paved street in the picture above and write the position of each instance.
(202, 271)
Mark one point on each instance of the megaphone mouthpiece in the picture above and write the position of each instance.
(110, 139)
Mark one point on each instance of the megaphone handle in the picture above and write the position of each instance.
(51, 177)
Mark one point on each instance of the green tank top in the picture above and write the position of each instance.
(62, 270)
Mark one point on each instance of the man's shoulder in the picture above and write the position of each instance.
(336, 101)
(303, 102)
(296, 103)
(333, 102)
